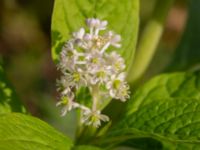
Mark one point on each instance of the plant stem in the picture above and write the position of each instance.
(149, 40)
(95, 96)
(84, 133)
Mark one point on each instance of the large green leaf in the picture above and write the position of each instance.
(187, 55)
(9, 102)
(22, 132)
(174, 121)
(166, 109)
(70, 15)
(184, 85)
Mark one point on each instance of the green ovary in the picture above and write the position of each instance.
(101, 74)
(76, 77)
(65, 100)
(116, 84)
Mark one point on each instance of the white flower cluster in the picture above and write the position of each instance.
(84, 62)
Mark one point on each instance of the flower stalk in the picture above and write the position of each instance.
(95, 96)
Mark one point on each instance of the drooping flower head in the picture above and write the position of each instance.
(85, 62)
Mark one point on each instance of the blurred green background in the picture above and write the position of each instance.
(25, 48)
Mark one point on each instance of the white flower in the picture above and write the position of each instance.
(98, 72)
(123, 93)
(69, 57)
(115, 61)
(94, 61)
(63, 88)
(79, 34)
(112, 39)
(87, 37)
(75, 79)
(94, 118)
(96, 23)
(92, 22)
(67, 104)
(101, 75)
(118, 87)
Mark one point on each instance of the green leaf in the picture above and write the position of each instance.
(70, 15)
(174, 85)
(167, 110)
(187, 55)
(176, 121)
(9, 101)
(22, 132)
(84, 147)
